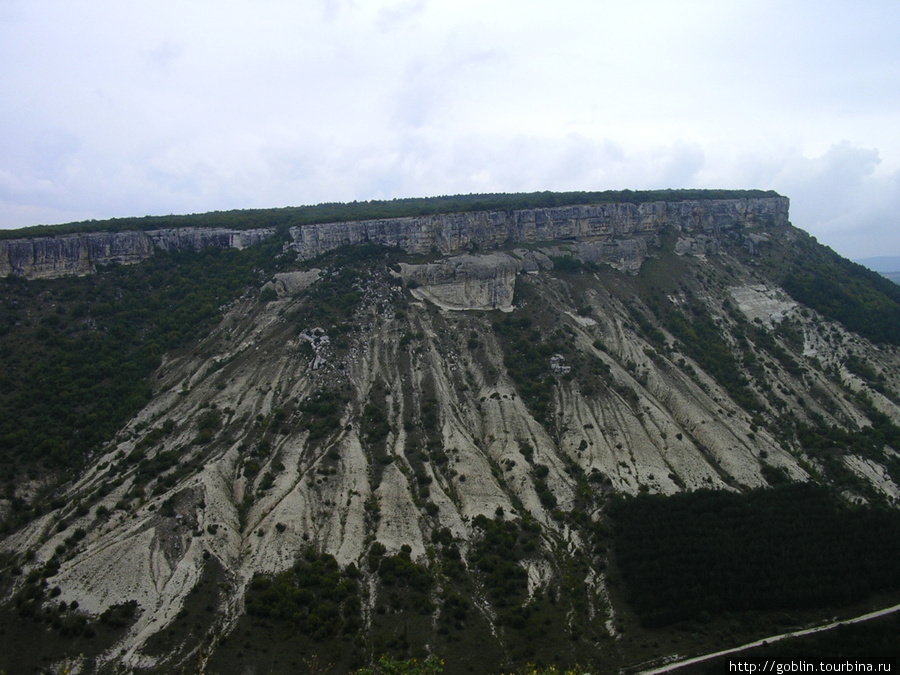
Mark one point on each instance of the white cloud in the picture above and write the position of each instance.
(843, 199)
(113, 109)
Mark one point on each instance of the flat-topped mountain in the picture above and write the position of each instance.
(51, 256)
(255, 449)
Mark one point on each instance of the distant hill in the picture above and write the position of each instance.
(882, 263)
(886, 265)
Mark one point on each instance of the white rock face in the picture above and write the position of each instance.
(71, 255)
(290, 283)
(762, 303)
(80, 254)
(456, 232)
(613, 233)
(465, 281)
(875, 474)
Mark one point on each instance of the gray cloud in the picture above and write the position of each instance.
(392, 15)
(115, 110)
(164, 55)
(842, 198)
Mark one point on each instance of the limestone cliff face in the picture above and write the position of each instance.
(68, 255)
(613, 233)
(198, 238)
(79, 254)
(457, 232)
(466, 281)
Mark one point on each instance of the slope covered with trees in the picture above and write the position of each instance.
(77, 353)
(699, 554)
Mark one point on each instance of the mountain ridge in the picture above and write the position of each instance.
(375, 209)
(364, 455)
(58, 255)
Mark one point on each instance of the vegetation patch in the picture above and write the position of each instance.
(829, 444)
(527, 360)
(839, 289)
(37, 622)
(76, 353)
(701, 339)
(316, 597)
(321, 414)
(407, 583)
(497, 555)
(699, 554)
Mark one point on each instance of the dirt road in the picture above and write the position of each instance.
(674, 665)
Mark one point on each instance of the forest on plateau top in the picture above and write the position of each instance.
(294, 216)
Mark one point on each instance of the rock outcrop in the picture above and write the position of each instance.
(465, 281)
(488, 281)
(79, 254)
(290, 283)
(459, 232)
(617, 234)
(196, 238)
(71, 255)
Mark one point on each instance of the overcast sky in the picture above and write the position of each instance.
(112, 108)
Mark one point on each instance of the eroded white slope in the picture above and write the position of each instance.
(676, 430)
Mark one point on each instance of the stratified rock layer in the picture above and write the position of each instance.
(80, 254)
(613, 233)
(465, 281)
(456, 232)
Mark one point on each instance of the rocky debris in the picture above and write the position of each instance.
(319, 342)
(558, 365)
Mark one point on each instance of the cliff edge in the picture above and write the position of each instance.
(457, 232)
(80, 254)
(613, 233)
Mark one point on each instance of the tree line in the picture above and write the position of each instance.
(697, 554)
(295, 216)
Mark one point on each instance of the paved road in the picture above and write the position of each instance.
(769, 640)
